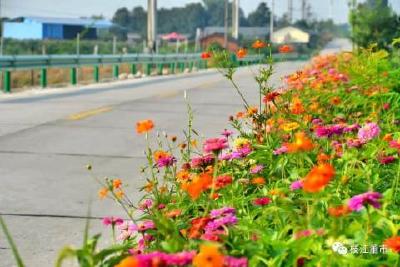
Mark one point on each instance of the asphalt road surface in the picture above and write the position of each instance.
(46, 139)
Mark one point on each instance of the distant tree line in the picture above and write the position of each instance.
(374, 21)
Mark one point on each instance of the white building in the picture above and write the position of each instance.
(290, 35)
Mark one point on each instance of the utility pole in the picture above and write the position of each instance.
(226, 25)
(271, 20)
(78, 38)
(290, 11)
(2, 29)
(235, 19)
(304, 9)
(331, 10)
(151, 24)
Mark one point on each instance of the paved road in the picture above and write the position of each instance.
(46, 139)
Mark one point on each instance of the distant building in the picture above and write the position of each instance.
(290, 35)
(218, 38)
(134, 38)
(247, 33)
(53, 28)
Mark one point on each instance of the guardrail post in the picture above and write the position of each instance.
(172, 67)
(96, 74)
(115, 71)
(133, 69)
(43, 78)
(182, 67)
(7, 81)
(74, 79)
(148, 69)
(159, 69)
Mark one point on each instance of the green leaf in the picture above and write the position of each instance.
(11, 243)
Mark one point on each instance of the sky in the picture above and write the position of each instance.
(79, 8)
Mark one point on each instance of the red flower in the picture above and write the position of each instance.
(206, 55)
(286, 49)
(262, 201)
(393, 243)
(241, 53)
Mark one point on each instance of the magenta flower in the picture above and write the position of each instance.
(357, 202)
(166, 161)
(226, 133)
(235, 262)
(223, 211)
(386, 159)
(183, 258)
(368, 132)
(112, 221)
(256, 169)
(296, 185)
(146, 204)
(395, 144)
(202, 161)
(262, 201)
(215, 145)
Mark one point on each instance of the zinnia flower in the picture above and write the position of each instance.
(144, 126)
(258, 44)
(235, 262)
(286, 49)
(142, 227)
(368, 132)
(112, 221)
(262, 201)
(339, 211)
(393, 243)
(205, 55)
(129, 262)
(301, 143)
(209, 256)
(215, 145)
(241, 53)
(256, 169)
(357, 202)
(318, 178)
(296, 185)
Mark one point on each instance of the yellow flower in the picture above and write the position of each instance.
(290, 126)
(241, 142)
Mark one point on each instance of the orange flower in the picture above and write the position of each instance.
(159, 154)
(149, 187)
(173, 213)
(301, 143)
(240, 115)
(128, 262)
(209, 256)
(388, 138)
(297, 106)
(198, 185)
(197, 227)
(182, 176)
(205, 55)
(322, 157)
(241, 53)
(335, 100)
(117, 183)
(318, 178)
(393, 243)
(103, 193)
(286, 49)
(339, 211)
(258, 181)
(144, 126)
(251, 111)
(259, 44)
(119, 194)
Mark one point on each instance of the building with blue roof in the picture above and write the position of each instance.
(53, 28)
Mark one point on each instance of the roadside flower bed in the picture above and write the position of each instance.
(308, 176)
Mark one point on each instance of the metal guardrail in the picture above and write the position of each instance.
(175, 62)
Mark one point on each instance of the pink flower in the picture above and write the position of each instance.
(386, 106)
(235, 262)
(368, 132)
(357, 202)
(386, 159)
(215, 145)
(296, 185)
(262, 201)
(146, 204)
(282, 150)
(202, 161)
(142, 227)
(112, 221)
(395, 144)
(166, 161)
(256, 169)
(226, 133)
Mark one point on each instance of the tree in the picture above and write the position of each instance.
(261, 16)
(374, 22)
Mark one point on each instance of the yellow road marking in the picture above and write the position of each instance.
(88, 113)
